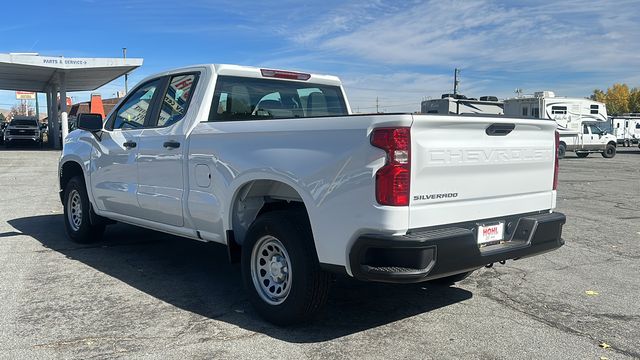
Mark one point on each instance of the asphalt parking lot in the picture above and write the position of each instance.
(142, 294)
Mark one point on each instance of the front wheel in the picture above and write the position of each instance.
(77, 213)
(280, 268)
(609, 151)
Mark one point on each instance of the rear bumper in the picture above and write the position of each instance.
(430, 253)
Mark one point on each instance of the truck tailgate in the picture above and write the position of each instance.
(467, 168)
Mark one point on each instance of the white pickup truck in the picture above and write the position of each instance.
(273, 165)
(590, 139)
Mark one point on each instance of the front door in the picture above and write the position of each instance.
(162, 153)
(114, 178)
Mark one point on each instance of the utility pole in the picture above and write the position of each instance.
(377, 111)
(37, 108)
(126, 76)
(456, 81)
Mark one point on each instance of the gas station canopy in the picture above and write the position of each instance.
(28, 72)
(55, 76)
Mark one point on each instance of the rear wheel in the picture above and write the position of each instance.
(562, 150)
(582, 154)
(77, 213)
(280, 268)
(609, 151)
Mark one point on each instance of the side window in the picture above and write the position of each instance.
(176, 99)
(132, 113)
(585, 129)
(535, 112)
(595, 130)
(559, 110)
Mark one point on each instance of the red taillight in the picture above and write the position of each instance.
(393, 179)
(284, 74)
(556, 167)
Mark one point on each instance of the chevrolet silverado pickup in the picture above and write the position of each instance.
(273, 165)
(22, 128)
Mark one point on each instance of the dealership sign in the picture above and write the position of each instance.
(25, 95)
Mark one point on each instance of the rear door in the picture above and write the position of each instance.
(470, 168)
(162, 151)
(115, 176)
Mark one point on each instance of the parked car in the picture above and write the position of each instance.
(22, 128)
(272, 164)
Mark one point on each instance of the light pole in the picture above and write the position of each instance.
(126, 75)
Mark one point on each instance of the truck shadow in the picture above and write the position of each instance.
(197, 277)
(628, 151)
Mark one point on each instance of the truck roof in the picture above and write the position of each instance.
(252, 72)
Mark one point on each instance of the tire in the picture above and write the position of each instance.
(450, 280)
(562, 151)
(293, 289)
(609, 151)
(78, 213)
(582, 155)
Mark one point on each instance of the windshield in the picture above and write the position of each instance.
(24, 122)
(238, 98)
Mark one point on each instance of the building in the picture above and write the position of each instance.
(96, 105)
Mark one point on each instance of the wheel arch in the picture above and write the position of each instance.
(258, 196)
(68, 170)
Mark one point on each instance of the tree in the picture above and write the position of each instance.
(599, 96)
(634, 100)
(618, 99)
(2, 118)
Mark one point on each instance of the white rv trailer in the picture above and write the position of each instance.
(626, 128)
(580, 121)
(460, 104)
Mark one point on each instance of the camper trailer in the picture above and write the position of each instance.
(460, 104)
(581, 122)
(626, 128)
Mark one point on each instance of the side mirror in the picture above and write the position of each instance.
(90, 122)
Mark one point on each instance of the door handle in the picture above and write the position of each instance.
(500, 129)
(171, 144)
(130, 144)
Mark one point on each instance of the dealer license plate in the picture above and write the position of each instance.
(489, 233)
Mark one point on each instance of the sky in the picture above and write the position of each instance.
(399, 52)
